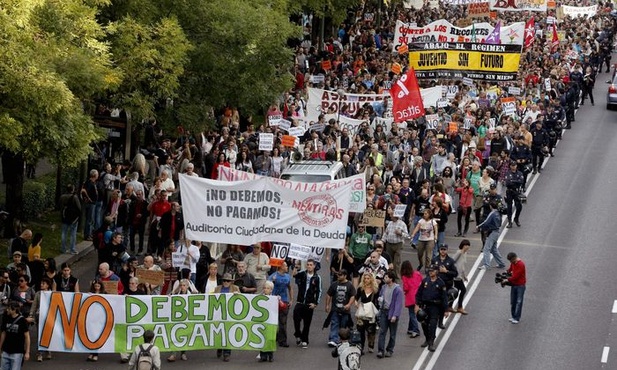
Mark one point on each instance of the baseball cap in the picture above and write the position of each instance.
(433, 267)
(493, 186)
(17, 253)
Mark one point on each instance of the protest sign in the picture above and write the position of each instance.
(547, 84)
(278, 254)
(264, 209)
(478, 10)
(152, 277)
(491, 123)
(431, 121)
(444, 31)
(266, 141)
(451, 91)
(399, 210)
(458, 60)
(358, 194)
(508, 105)
(288, 141)
(467, 81)
(467, 123)
(519, 5)
(463, 2)
(178, 257)
(81, 322)
(111, 287)
(373, 217)
(317, 79)
(284, 124)
(580, 11)
(273, 120)
(442, 103)
(513, 90)
(296, 251)
(295, 131)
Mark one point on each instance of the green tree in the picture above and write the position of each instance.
(52, 60)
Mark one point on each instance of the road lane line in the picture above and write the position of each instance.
(604, 358)
(614, 306)
(448, 331)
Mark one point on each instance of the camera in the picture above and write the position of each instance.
(502, 278)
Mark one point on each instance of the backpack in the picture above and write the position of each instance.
(144, 358)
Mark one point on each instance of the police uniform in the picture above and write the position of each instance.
(432, 298)
(514, 186)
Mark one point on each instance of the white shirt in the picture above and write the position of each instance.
(193, 257)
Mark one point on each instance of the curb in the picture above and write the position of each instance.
(83, 248)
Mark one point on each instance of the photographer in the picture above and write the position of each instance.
(514, 180)
(491, 227)
(517, 280)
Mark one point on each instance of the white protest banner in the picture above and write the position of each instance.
(358, 193)
(513, 90)
(467, 81)
(266, 141)
(580, 11)
(321, 101)
(444, 31)
(416, 4)
(519, 5)
(508, 105)
(296, 131)
(274, 119)
(431, 121)
(178, 257)
(399, 210)
(547, 84)
(263, 209)
(284, 124)
(95, 323)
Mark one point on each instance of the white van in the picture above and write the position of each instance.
(313, 171)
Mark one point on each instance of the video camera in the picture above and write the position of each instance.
(502, 278)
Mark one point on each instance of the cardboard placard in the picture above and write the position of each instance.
(373, 217)
(111, 287)
(152, 277)
(478, 10)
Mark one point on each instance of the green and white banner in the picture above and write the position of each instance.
(81, 322)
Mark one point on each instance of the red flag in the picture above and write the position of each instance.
(406, 98)
(530, 32)
(555, 40)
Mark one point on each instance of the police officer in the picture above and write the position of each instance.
(552, 124)
(539, 144)
(514, 186)
(432, 298)
(447, 273)
(521, 154)
(570, 98)
(492, 196)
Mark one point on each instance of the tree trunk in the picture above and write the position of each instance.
(58, 185)
(13, 165)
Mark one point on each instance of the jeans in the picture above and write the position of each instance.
(66, 229)
(441, 238)
(11, 361)
(516, 301)
(415, 237)
(413, 325)
(386, 325)
(490, 247)
(90, 222)
(338, 320)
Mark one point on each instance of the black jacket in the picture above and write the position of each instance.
(313, 293)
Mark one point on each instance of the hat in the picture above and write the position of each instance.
(17, 253)
(227, 277)
(433, 267)
(472, 144)
(493, 186)
(443, 246)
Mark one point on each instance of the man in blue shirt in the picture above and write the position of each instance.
(491, 226)
(282, 289)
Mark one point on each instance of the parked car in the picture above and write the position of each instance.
(611, 94)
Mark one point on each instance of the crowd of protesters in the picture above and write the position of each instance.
(134, 208)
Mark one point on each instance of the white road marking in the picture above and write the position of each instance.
(614, 306)
(448, 331)
(604, 358)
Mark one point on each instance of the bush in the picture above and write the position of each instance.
(39, 196)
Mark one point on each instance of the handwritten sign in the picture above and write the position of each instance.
(266, 141)
(508, 105)
(399, 210)
(451, 91)
(373, 217)
(284, 124)
(432, 120)
(152, 277)
(296, 131)
(513, 90)
(467, 81)
(442, 103)
(274, 119)
(179, 257)
(111, 287)
(288, 141)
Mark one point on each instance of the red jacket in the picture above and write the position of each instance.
(519, 276)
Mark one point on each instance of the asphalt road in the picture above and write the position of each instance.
(564, 240)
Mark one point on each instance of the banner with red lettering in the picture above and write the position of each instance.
(406, 98)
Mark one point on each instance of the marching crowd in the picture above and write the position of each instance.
(474, 175)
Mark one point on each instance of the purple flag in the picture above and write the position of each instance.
(494, 38)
